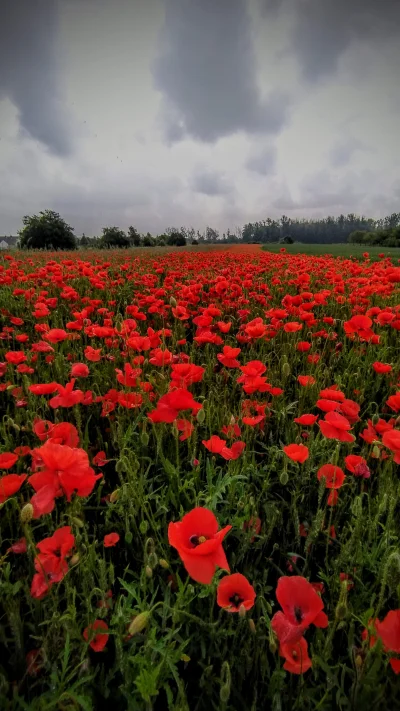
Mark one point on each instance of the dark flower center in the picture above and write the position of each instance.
(197, 540)
(298, 614)
(236, 600)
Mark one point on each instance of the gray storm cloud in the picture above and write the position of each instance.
(29, 74)
(324, 29)
(211, 183)
(206, 72)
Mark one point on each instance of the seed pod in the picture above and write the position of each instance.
(26, 514)
(114, 496)
(139, 623)
(286, 370)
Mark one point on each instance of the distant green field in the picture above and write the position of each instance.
(337, 250)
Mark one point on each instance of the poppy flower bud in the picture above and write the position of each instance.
(152, 560)
(375, 419)
(144, 438)
(149, 571)
(284, 477)
(114, 496)
(272, 645)
(78, 522)
(128, 537)
(341, 611)
(75, 559)
(164, 563)
(201, 416)
(242, 611)
(358, 661)
(225, 693)
(376, 451)
(185, 658)
(252, 626)
(172, 301)
(286, 370)
(139, 623)
(26, 514)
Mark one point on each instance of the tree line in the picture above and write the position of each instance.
(48, 230)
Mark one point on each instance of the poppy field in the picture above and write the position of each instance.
(199, 481)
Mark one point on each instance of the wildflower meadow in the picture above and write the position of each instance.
(199, 481)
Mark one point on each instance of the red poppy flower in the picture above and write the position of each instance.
(303, 346)
(335, 426)
(186, 427)
(99, 460)
(394, 402)
(7, 460)
(389, 631)
(15, 357)
(96, 635)
(56, 335)
(199, 544)
(67, 396)
(184, 374)
(306, 420)
(296, 656)
(301, 606)
(228, 357)
(382, 368)
(19, 546)
(297, 452)
(110, 540)
(216, 445)
(9, 485)
(43, 388)
(306, 380)
(50, 563)
(65, 470)
(79, 370)
(334, 476)
(93, 354)
(391, 440)
(169, 405)
(234, 591)
(357, 466)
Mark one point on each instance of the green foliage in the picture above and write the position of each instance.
(113, 238)
(46, 231)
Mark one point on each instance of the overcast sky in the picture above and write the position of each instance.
(193, 112)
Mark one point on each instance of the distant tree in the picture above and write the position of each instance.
(211, 234)
(161, 240)
(114, 238)
(148, 241)
(176, 239)
(134, 237)
(286, 240)
(84, 241)
(46, 231)
(358, 237)
(194, 241)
